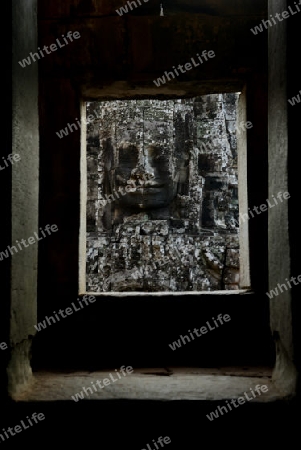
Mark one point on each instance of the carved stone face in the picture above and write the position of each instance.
(143, 158)
(149, 177)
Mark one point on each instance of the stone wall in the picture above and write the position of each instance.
(189, 243)
(23, 198)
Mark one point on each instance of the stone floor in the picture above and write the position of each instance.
(161, 384)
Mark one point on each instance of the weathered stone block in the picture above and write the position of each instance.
(231, 276)
(232, 259)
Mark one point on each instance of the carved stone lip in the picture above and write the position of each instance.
(146, 184)
(150, 185)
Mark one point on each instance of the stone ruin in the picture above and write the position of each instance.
(162, 195)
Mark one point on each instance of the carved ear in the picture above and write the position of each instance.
(108, 154)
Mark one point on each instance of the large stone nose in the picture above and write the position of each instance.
(143, 172)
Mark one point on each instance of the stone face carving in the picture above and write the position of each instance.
(162, 191)
(151, 175)
(143, 169)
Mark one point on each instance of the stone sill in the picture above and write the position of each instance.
(169, 293)
(160, 384)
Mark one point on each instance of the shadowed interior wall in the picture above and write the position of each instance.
(104, 65)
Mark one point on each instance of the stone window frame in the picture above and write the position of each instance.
(245, 279)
